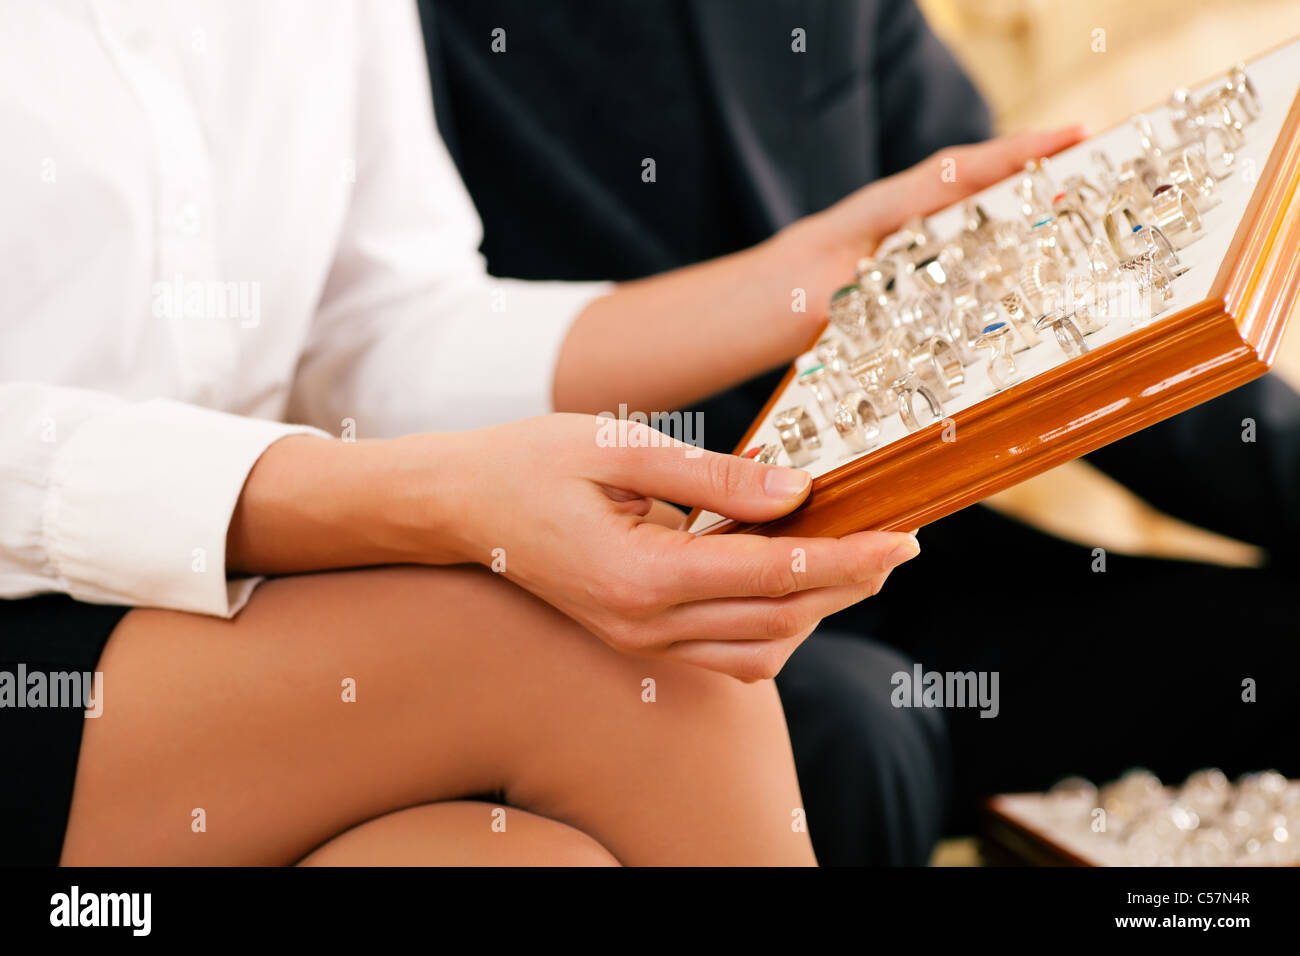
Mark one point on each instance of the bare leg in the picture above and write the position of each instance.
(460, 833)
(465, 685)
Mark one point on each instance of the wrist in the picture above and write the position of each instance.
(427, 505)
(312, 504)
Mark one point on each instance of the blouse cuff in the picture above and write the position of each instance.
(140, 501)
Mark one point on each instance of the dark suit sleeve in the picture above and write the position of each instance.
(1199, 466)
(925, 99)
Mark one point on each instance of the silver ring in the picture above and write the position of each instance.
(868, 373)
(1102, 261)
(1182, 112)
(1118, 233)
(884, 364)
(938, 270)
(1068, 335)
(963, 325)
(856, 422)
(907, 388)
(1083, 300)
(1047, 237)
(1001, 367)
(1216, 107)
(1153, 271)
(911, 240)
(1075, 228)
(1105, 170)
(865, 409)
(1018, 312)
(1176, 215)
(973, 308)
(923, 314)
(1040, 281)
(882, 399)
(817, 381)
(1138, 179)
(1189, 171)
(1083, 196)
(1235, 98)
(1151, 285)
(938, 365)
(878, 280)
(833, 354)
(1155, 240)
(1150, 145)
(764, 454)
(849, 312)
(1220, 143)
(798, 434)
(977, 219)
(1238, 82)
(1038, 182)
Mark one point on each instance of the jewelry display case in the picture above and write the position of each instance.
(1126, 279)
(1139, 821)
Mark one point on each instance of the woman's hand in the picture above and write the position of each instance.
(564, 506)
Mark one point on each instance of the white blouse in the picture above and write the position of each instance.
(216, 217)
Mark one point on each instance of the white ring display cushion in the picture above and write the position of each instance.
(1276, 76)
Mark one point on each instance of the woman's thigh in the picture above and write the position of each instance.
(332, 699)
(461, 833)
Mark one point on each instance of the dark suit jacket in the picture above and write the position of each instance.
(874, 93)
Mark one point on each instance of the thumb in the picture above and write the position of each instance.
(726, 484)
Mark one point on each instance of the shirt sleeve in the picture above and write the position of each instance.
(411, 333)
(118, 502)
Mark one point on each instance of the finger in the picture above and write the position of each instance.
(658, 467)
(757, 619)
(682, 568)
(744, 660)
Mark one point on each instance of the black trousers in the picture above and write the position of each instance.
(874, 778)
(1148, 663)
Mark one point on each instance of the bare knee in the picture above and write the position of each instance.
(467, 684)
(461, 833)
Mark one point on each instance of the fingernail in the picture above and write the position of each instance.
(906, 551)
(785, 482)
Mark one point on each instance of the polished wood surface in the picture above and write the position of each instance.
(1005, 840)
(1113, 391)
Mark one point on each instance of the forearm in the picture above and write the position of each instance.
(313, 504)
(667, 341)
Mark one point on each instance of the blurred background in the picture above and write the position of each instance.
(1035, 64)
(1043, 63)
(1034, 59)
